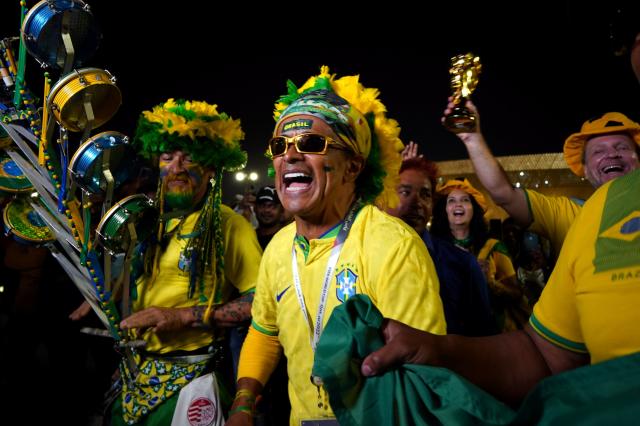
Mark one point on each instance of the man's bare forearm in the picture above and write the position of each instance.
(231, 314)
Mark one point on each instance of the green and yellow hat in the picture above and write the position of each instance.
(611, 122)
(359, 119)
(463, 185)
(211, 137)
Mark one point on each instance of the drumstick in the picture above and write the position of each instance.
(4, 72)
(7, 51)
(42, 148)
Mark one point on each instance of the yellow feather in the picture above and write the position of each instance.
(387, 130)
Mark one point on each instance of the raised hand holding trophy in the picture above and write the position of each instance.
(464, 71)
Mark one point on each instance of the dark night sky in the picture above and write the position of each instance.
(546, 68)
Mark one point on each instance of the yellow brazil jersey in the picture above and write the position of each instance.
(382, 257)
(591, 301)
(552, 216)
(242, 255)
(499, 265)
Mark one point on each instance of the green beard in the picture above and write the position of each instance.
(179, 200)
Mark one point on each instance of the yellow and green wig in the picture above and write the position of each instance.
(359, 119)
(212, 138)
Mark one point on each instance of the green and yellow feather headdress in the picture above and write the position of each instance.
(211, 137)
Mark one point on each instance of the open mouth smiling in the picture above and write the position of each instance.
(612, 168)
(297, 181)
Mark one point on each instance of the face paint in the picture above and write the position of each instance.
(175, 200)
(182, 180)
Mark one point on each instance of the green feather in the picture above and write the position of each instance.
(370, 183)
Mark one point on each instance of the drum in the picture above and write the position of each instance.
(11, 177)
(68, 95)
(86, 164)
(113, 232)
(42, 32)
(25, 224)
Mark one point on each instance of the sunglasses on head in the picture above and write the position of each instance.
(306, 143)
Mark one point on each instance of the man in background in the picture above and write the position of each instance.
(269, 212)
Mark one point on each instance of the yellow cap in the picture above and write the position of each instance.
(611, 122)
(463, 185)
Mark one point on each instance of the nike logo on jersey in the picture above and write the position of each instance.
(279, 295)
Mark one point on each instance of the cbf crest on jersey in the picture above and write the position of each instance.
(345, 283)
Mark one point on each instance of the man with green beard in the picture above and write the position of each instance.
(198, 274)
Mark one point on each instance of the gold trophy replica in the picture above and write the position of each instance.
(464, 71)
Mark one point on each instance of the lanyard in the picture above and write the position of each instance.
(331, 264)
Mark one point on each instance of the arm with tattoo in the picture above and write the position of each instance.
(233, 313)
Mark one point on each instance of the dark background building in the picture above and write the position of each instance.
(547, 66)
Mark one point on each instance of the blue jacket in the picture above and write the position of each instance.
(463, 289)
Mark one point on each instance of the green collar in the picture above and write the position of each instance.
(333, 232)
(303, 244)
(465, 242)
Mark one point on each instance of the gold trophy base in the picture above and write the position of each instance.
(461, 120)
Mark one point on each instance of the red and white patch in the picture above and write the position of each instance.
(201, 412)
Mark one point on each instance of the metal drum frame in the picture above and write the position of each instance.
(86, 165)
(113, 232)
(87, 87)
(46, 22)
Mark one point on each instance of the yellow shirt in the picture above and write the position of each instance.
(552, 216)
(511, 309)
(242, 255)
(499, 265)
(382, 257)
(591, 302)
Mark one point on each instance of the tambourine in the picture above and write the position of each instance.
(68, 95)
(43, 26)
(86, 164)
(26, 226)
(11, 177)
(113, 232)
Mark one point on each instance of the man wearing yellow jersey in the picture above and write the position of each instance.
(586, 314)
(334, 152)
(604, 149)
(197, 277)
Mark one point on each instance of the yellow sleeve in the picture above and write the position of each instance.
(264, 310)
(552, 216)
(259, 357)
(555, 316)
(504, 266)
(242, 253)
(410, 291)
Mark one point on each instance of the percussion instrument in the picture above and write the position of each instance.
(113, 229)
(45, 23)
(86, 164)
(25, 224)
(68, 96)
(11, 177)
